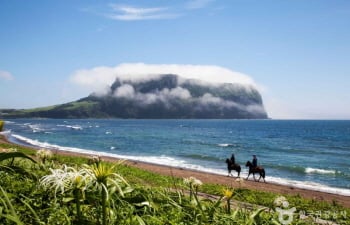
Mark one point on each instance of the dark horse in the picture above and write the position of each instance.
(231, 166)
(254, 170)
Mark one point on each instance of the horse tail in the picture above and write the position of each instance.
(263, 173)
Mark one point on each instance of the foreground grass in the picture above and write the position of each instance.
(148, 198)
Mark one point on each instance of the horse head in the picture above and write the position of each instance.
(248, 164)
(228, 161)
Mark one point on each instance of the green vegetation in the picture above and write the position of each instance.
(78, 190)
(78, 109)
(2, 123)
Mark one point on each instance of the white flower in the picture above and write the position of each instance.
(192, 181)
(65, 179)
(9, 150)
(279, 201)
(44, 154)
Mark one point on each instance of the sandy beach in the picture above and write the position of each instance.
(224, 180)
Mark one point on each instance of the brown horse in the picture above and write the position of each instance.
(253, 170)
(231, 166)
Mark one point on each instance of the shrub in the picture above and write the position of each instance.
(2, 123)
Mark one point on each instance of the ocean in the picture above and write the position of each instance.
(310, 154)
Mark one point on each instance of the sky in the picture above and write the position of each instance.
(295, 52)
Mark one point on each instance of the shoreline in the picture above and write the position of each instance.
(212, 178)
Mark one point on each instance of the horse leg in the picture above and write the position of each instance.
(254, 176)
(263, 175)
(248, 175)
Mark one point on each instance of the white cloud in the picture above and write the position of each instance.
(207, 73)
(164, 95)
(129, 13)
(123, 12)
(125, 91)
(6, 75)
(210, 99)
(98, 79)
(198, 4)
(178, 92)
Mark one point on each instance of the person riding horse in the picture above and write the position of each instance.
(233, 158)
(254, 168)
(232, 166)
(255, 161)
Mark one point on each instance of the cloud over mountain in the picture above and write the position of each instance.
(172, 96)
(99, 78)
(177, 91)
(140, 91)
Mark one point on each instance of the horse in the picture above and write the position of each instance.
(253, 170)
(232, 166)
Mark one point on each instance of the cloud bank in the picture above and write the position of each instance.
(99, 79)
(4, 75)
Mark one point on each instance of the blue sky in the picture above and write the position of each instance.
(296, 51)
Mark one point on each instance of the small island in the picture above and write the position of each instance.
(166, 97)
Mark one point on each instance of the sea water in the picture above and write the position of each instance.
(311, 154)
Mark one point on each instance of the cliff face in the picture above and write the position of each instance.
(166, 96)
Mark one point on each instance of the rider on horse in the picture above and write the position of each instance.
(254, 168)
(233, 158)
(255, 161)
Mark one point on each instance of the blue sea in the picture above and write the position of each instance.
(309, 154)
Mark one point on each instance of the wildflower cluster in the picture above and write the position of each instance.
(281, 201)
(9, 150)
(44, 154)
(192, 182)
(66, 179)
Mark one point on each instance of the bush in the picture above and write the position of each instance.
(1, 125)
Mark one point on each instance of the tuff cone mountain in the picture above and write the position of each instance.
(167, 96)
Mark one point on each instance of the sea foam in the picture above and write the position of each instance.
(73, 127)
(225, 145)
(320, 171)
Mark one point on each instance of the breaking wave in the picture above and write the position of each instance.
(319, 171)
